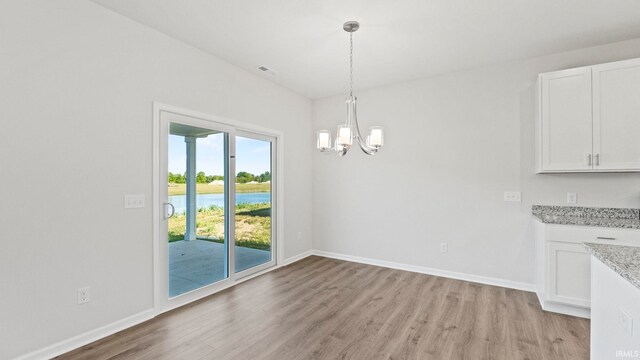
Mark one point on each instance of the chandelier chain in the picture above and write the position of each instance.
(351, 64)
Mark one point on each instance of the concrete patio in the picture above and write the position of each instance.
(196, 263)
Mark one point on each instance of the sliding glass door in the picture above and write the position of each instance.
(198, 251)
(198, 203)
(217, 195)
(254, 226)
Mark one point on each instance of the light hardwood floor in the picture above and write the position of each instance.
(321, 308)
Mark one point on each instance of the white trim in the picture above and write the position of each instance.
(295, 258)
(239, 125)
(279, 174)
(565, 309)
(155, 231)
(88, 337)
(430, 271)
(562, 308)
(540, 299)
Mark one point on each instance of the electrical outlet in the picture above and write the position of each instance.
(625, 321)
(133, 201)
(513, 196)
(572, 198)
(84, 295)
(444, 247)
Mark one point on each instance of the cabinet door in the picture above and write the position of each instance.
(569, 274)
(616, 115)
(567, 126)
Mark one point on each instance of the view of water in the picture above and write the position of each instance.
(206, 200)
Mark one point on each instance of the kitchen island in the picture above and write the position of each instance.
(615, 301)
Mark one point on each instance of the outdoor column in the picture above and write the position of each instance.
(190, 233)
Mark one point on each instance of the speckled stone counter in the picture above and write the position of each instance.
(585, 216)
(624, 260)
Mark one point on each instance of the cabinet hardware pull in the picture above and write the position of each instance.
(597, 159)
(605, 238)
(589, 159)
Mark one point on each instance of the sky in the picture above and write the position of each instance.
(252, 156)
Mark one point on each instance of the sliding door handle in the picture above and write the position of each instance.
(173, 210)
(597, 159)
(589, 162)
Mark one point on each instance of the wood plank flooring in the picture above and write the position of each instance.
(321, 308)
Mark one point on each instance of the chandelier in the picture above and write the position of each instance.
(349, 132)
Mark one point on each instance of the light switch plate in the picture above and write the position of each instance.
(513, 196)
(133, 201)
(572, 198)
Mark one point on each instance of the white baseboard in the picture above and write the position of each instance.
(430, 271)
(298, 257)
(104, 331)
(550, 306)
(88, 337)
(540, 299)
(99, 333)
(566, 309)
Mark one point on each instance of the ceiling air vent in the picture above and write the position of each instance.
(265, 69)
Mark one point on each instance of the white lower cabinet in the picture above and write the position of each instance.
(569, 274)
(563, 265)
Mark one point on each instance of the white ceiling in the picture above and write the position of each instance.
(303, 40)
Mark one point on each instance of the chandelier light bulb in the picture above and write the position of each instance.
(324, 140)
(344, 135)
(375, 138)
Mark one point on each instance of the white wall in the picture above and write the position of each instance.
(77, 84)
(454, 144)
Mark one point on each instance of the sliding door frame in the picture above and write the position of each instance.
(161, 301)
(166, 119)
(274, 204)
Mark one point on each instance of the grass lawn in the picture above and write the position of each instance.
(181, 189)
(253, 225)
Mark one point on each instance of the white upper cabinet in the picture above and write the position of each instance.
(567, 131)
(589, 119)
(616, 115)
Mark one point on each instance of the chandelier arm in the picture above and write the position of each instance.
(341, 151)
(365, 149)
(361, 142)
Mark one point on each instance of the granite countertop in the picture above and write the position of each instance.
(586, 216)
(625, 260)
